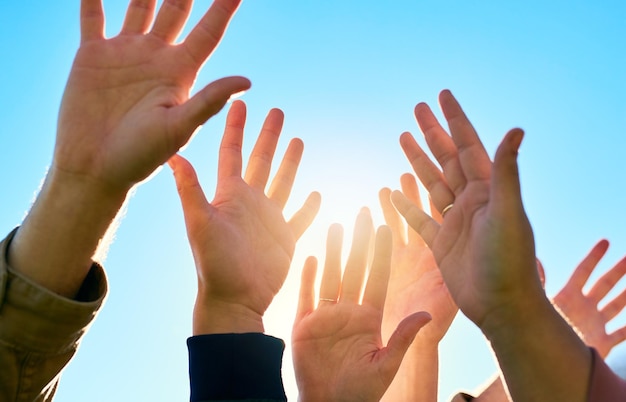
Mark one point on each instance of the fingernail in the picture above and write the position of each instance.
(516, 141)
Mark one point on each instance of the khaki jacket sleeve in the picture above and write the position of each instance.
(40, 330)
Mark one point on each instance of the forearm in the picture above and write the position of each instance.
(64, 228)
(539, 354)
(417, 378)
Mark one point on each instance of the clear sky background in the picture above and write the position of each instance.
(347, 74)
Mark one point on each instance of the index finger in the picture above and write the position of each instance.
(206, 35)
(587, 265)
(230, 161)
(91, 20)
(472, 154)
(376, 289)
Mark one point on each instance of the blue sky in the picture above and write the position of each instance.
(347, 74)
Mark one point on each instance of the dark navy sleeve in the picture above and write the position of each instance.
(236, 367)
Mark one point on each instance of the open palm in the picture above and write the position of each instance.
(126, 108)
(337, 347)
(241, 243)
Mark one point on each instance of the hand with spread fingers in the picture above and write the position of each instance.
(415, 284)
(127, 106)
(125, 111)
(242, 245)
(582, 309)
(337, 347)
(485, 250)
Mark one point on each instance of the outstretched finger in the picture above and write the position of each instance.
(583, 271)
(171, 19)
(472, 155)
(505, 194)
(139, 16)
(376, 288)
(352, 282)
(419, 220)
(331, 278)
(91, 20)
(618, 336)
(428, 173)
(392, 219)
(306, 302)
(411, 191)
(229, 163)
(607, 281)
(614, 307)
(442, 147)
(185, 118)
(206, 35)
(400, 341)
(260, 162)
(192, 197)
(434, 212)
(283, 180)
(303, 218)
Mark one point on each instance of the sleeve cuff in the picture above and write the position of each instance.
(604, 384)
(36, 319)
(235, 367)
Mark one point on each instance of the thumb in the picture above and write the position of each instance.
(187, 117)
(505, 188)
(400, 341)
(190, 193)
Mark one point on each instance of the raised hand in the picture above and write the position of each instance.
(337, 347)
(487, 213)
(125, 111)
(485, 251)
(415, 284)
(126, 108)
(242, 245)
(582, 309)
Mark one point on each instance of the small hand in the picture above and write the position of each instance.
(415, 283)
(581, 309)
(241, 243)
(337, 347)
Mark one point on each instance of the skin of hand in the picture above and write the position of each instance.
(125, 111)
(485, 251)
(337, 347)
(242, 245)
(582, 309)
(415, 284)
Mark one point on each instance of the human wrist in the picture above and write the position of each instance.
(63, 230)
(539, 353)
(519, 314)
(211, 316)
